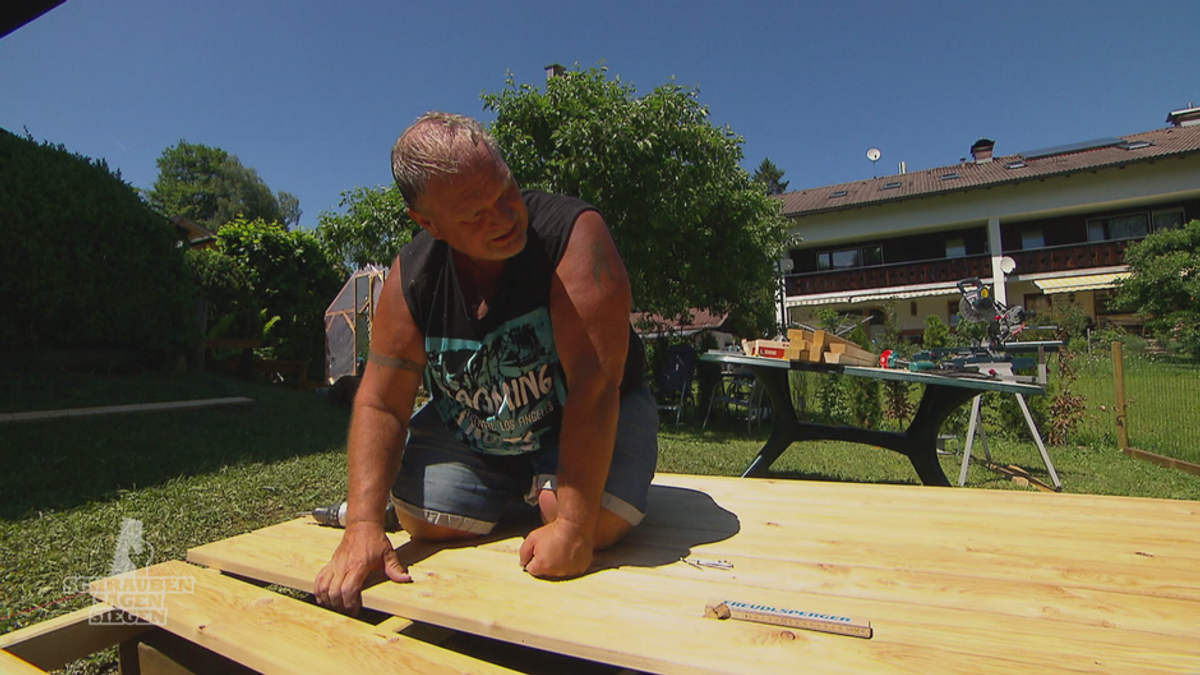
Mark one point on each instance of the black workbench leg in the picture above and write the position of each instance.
(783, 416)
(936, 406)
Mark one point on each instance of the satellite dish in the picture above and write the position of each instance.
(1007, 265)
(873, 154)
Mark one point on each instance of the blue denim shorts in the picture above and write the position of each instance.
(445, 483)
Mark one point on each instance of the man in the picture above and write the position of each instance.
(514, 307)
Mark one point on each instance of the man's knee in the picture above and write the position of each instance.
(421, 530)
(610, 528)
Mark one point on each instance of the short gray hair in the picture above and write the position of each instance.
(433, 146)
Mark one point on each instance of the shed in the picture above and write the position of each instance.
(348, 322)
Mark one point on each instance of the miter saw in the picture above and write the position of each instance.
(989, 357)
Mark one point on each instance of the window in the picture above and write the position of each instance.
(839, 193)
(872, 255)
(1037, 303)
(891, 186)
(1169, 219)
(1127, 226)
(952, 313)
(850, 258)
(950, 176)
(1032, 239)
(956, 248)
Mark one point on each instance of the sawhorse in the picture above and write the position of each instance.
(976, 424)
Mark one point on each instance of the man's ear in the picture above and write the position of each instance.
(425, 223)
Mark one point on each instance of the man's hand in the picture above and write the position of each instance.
(557, 551)
(364, 549)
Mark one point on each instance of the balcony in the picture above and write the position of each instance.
(1051, 259)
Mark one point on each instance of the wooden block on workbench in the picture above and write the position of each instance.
(848, 359)
(855, 351)
(819, 340)
(799, 334)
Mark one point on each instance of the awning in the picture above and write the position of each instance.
(1089, 282)
(875, 295)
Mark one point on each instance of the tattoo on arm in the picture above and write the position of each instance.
(392, 362)
(601, 264)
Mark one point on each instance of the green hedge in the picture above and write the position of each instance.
(86, 264)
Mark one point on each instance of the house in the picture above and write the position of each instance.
(1041, 226)
(654, 326)
(197, 235)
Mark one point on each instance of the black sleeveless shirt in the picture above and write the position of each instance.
(497, 382)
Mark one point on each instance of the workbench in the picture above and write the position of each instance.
(956, 580)
(943, 394)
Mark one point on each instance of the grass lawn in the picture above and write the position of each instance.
(196, 476)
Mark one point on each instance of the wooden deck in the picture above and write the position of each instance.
(952, 580)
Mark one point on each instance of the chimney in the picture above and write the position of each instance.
(554, 70)
(981, 151)
(1184, 118)
(903, 168)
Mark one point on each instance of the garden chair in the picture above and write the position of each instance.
(673, 386)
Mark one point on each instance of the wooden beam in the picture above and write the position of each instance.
(54, 643)
(117, 409)
(273, 633)
(1169, 462)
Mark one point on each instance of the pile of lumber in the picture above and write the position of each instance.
(812, 346)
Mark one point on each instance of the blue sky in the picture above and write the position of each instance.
(313, 94)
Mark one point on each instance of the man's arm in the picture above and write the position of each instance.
(589, 307)
(382, 408)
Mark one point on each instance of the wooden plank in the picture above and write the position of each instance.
(850, 348)
(54, 643)
(269, 632)
(1161, 460)
(118, 409)
(10, 664)
(949, 585)
(847, 359)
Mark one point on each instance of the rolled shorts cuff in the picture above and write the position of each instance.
(623, 509)
(450, 520)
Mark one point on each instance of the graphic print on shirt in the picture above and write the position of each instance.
(501, 395)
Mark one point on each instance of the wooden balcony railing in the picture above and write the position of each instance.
(1053, 259)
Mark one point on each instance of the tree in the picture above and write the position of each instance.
(373, 228)
(287, 276)
(1164, 286)
(212, 187)
(770, 177)
(693, 229)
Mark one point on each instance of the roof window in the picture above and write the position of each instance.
(1017, 164)
(1135, 145)
(950, 176)
(839, 193)
(891, 186)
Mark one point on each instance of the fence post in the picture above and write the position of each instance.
(1118, 359)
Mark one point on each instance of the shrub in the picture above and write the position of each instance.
(87, 265)
(290, 278)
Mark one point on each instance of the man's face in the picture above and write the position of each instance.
(478, 211)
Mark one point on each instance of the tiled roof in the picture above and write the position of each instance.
(1163, 143)
(702, 319)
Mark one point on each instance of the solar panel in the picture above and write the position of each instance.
(1072, 147)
